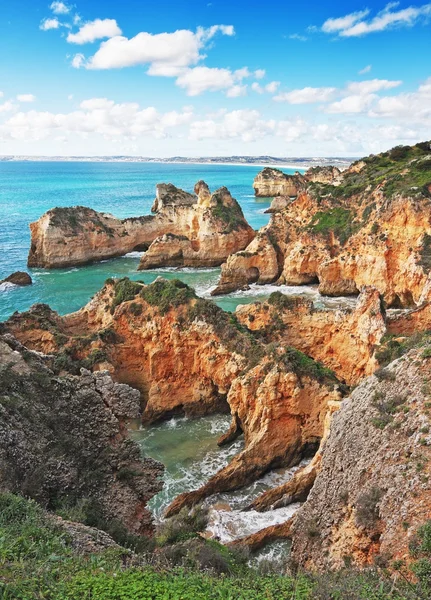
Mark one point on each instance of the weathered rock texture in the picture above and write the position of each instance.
(272, 182)
(372, 229)
(63, 440)
(187, 230)
(373, 488)
(344, 340)
(187, 356)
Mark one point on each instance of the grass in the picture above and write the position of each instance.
(338, 221)
(392, 347)
(38, 561)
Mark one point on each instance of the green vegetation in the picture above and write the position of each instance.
(338, 221)
(305, 366)
(38, 559)
(392, 347)
(367, 507)
(125, 290)
(167, 294)
(232, 216)
(425, 260)
(233, 334)
(281, 301)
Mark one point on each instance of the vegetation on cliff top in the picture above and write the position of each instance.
(40, 560)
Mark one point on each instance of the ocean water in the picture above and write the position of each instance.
(188, 449)
(28, 189)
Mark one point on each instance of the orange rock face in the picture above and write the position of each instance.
(343, 340)
(187, 357)
(187, 230)
(344, 236)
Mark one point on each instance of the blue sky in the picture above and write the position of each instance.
(202, 78)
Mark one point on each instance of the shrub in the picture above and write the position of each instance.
(166, 294)
(337, 220)
(367, 507)
(183, 526)
(125, 290)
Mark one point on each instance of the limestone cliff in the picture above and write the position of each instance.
(343, 340)
(373, 488)
(374, 228)
(63, 440)
(188, 229)
(272, 182)
(187, 356)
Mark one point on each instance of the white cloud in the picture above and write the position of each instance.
(307, 95)
(343, 23)
(259, 73)
(26, 98)
(271, 87)
(298, 37)
(365, 70)
(166, 54)
(7, 107)
(414, 106)
(78, 61)
(355, 24)
(206, 79)
(236, 91)
(351, 104)
(47, 24)
(98, 116)
(59, 8)
(95, 30)
(1, 94)
(371, 85)
(245, 124)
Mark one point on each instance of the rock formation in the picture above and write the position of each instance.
(344, 340)
(373, 488)
(18, 278)
(187, 356)
(63, 440)
(374, 228)
(272, 182)
(187, 230)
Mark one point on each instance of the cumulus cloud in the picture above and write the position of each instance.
(166, 54)
(59, 8)
(26, 98)
(371, 85)
(7, 107)
(245, 124)
(307, 95)
(351, 104)
(413, 106)
(203, 79)
(356, 24)
(78, 60)
(95, 30)
(259, 73)
(365, 70)
(47, 24)
(271, 87)
(99, 116)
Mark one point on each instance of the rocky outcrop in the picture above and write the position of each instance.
(63, 440)
(343, 340)
(371, 229)
(373, 488)
(188, 229)
(272, 182)
(187, 356)
(325, 174)
(20, 278)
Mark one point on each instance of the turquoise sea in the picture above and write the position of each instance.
(28, 189)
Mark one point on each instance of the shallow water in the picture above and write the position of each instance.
(188, 449)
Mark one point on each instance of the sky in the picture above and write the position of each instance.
(218, 78)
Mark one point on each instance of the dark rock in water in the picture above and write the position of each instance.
(18, 278)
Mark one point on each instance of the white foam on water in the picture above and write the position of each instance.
(133, 255)
(6, 286)
(229, 525)
(195, 270)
